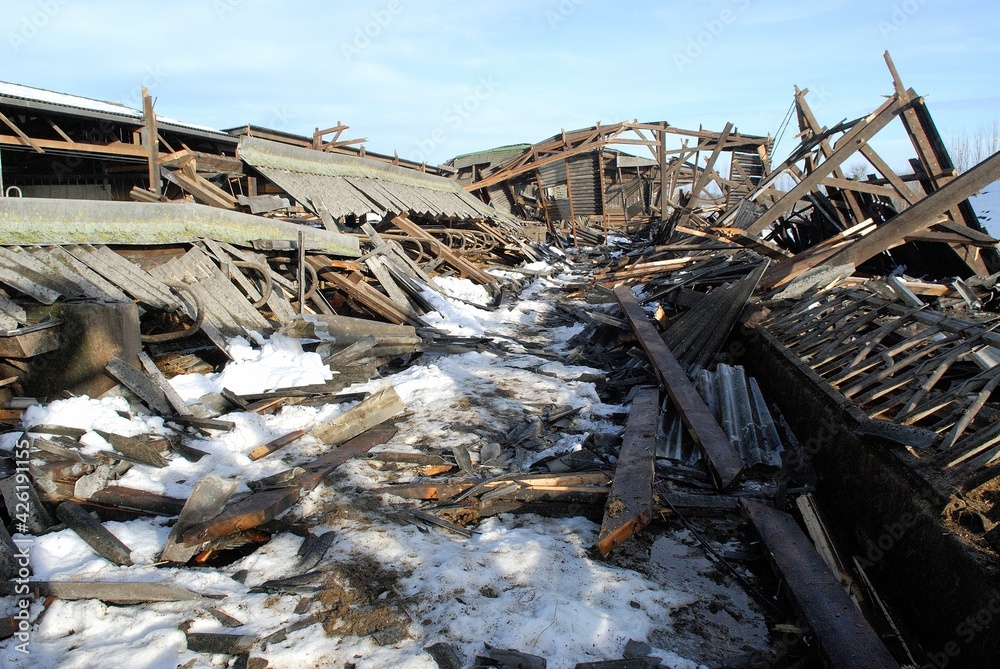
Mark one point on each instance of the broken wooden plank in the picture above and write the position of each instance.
(275, 444)
(845, 639)
(141, 385)
(134, 450)
(105, 544)
(122, 497)
(217, 643)
(23, 505)
(724, 461)
(206, 501)
(269, 503)
(161, 382)
(630, 503)
(464, 268)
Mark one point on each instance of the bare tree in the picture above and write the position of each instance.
(968, 150)
(856, 171)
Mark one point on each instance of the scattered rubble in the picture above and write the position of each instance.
(299, 403)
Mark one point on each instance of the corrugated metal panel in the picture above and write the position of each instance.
(585, 186)
(500, 198)
(735, 401)
(350, 185)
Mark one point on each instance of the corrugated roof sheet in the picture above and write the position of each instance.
(352, 185)
(489, 156)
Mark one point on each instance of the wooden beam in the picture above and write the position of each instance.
(630, 503)
(112, 149)
(921, 215)
(844, 637)
(807, 121)
(858, 186)
(724, 461)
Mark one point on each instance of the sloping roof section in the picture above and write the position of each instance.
(489, 156)
(350, 185)
(18, 95)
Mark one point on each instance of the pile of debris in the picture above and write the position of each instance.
(347, 400)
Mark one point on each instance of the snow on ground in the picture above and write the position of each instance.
(523, 582)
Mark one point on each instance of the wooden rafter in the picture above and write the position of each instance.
(24, 139)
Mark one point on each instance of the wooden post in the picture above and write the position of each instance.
(151, 141)
(301, 271)
(569, 189)
(661, 159)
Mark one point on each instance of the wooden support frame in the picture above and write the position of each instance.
(921, 215)
(27, 141)
(845, 147)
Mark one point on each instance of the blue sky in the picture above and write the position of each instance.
(436, 79)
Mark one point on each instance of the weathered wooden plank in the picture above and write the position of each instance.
(630, 503)
(124, 275)
(723, 460)
(845, 639)
(110, 592)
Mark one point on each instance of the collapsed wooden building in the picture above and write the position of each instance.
(582, 175)
(808, 358)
